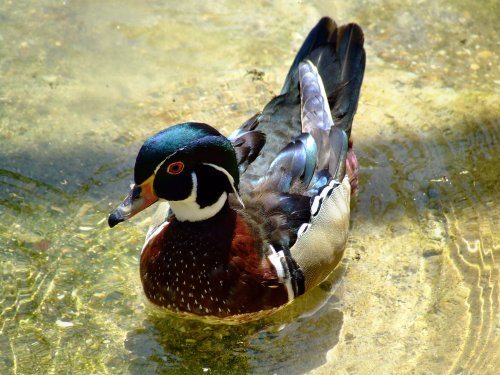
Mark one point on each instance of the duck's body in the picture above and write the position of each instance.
(229, 245)
(198, 268)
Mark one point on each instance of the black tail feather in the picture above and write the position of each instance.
(339, 56)
(319, 36)
(351, 55)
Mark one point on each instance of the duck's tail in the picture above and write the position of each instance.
(339, 56)
(330, 71)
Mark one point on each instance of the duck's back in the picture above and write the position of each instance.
(339, 56)
(299, 187)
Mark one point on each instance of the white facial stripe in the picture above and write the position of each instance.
(159, 165)
(189, 210)
(220, 169)
(194, 191)
(230, 178)
(164, 160)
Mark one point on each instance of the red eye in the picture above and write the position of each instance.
(175, 167)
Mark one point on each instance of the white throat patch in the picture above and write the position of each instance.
(189, 210)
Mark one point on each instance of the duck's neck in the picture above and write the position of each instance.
(190, 210)
(203, 203)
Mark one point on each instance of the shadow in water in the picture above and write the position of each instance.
(169, 344)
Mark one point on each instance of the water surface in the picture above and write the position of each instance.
(82, 85)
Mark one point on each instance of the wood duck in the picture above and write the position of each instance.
(249, 222)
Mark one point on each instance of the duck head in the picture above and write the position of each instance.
(190, 165)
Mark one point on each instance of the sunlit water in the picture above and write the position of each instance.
(82, 84)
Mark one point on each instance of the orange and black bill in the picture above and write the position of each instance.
(140, 197)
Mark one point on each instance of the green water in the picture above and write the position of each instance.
(83, 83)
